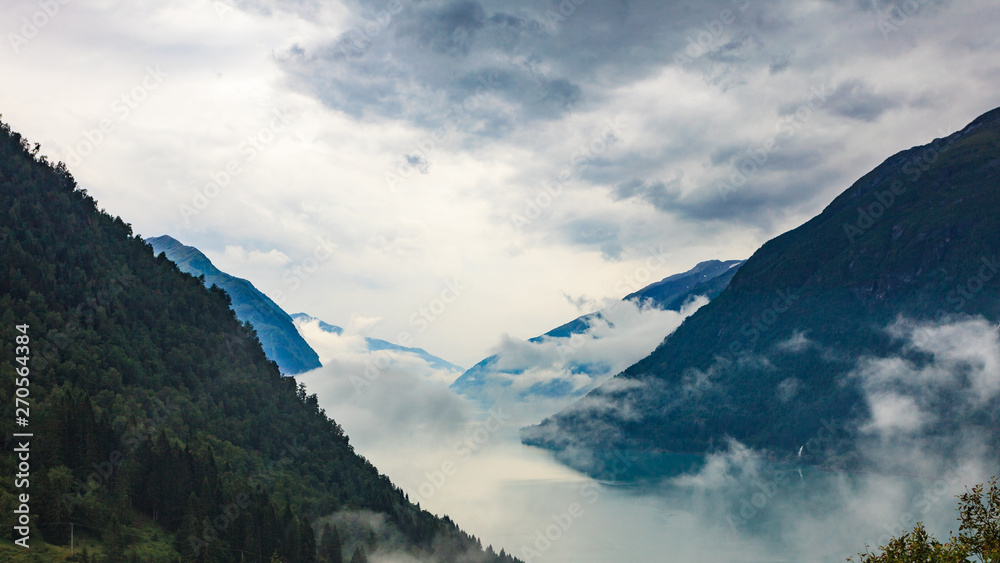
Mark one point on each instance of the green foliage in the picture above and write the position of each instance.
(160, 427)
(330, 549)
(979, 535)
(280, 339)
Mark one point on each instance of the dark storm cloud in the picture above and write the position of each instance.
(451, 28)
(495, 71)
(853, 99)
(655, 192)
(787, 181)
(548, 57)
(856, 100)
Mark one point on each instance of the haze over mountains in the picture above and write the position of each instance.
(278, 331)
(573, 358)
(878, 316)
(281, 341)
(158, 425)
(412, 307)
(377, 345)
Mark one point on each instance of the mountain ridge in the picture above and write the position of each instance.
(275, 328)
(707, 278)
(375, 344)
(893, 245)
(156, 418)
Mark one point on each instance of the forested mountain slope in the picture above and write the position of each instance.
(160, 428)
(914, 243)
(275, 328)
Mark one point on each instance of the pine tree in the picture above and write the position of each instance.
(307, 550)
(330, 550)
(359, 556)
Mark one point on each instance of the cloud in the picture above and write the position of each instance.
(856, 100)
(945, 371)
(768, 510)
(788, 389)
(582, 304)
(486, 103)
(532, 371)
(418, 162)
(795, 344)
(272, 258)
(359, 324)
(368, 392)
(891, 413)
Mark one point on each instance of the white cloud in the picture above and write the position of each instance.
(624, 333)
(272, 258)
(324, 174)
(944, 371)
(891, 413)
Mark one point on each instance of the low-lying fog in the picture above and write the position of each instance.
(454, 459)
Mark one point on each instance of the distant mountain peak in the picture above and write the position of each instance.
(275, 328)
(488, 378)
(374, 344)
(778, 352)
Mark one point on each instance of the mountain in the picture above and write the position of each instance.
(574, 372)
(282, 342)
(849, 320)
(156, 424)
(707, 278)
(375, 345)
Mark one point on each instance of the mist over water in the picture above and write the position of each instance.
(455, 458)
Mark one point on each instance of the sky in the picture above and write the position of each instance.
(450, 174)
